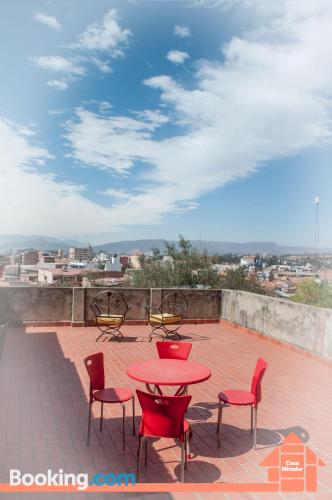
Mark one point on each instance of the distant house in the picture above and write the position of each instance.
(81, 254)
(248, 260)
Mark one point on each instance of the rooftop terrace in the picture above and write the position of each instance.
(44, 391)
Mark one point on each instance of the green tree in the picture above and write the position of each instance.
(239, 280)
(313, 293)
(273, 260)
(228, 258)
(184, 267)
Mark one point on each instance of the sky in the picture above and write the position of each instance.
(124, 120)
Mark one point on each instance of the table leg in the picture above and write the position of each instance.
(181, 390)
(149, 389)
(156, 389)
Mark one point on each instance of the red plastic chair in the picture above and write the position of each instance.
(244, 398)
(163, 416)
(173, 350)
(95, 368)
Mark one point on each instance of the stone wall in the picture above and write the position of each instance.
(136, 299)
(304, 326)
(35, 304)
(72, 305)
(202, 304)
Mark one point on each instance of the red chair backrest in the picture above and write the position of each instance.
(95, 368)
(162, 416)
(256, 388)
(174, 350)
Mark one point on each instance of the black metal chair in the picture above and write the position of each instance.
(168, 317)
(110, 309)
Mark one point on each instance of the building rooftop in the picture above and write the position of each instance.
(44, 391)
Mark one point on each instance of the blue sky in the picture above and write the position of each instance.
(140, 119)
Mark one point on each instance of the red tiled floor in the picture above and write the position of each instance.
(43, 414)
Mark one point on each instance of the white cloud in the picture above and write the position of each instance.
(116, 193)
(38, 202)
(58, 84)
(268, 97)
(104, 106)
(182, 31)
(103, 66)
(59, 64)
(105, 36)
(49, 21)
(154, 117)
(111, 143)
(177, 56)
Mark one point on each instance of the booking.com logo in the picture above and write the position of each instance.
(61, 478)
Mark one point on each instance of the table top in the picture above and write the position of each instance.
(168, 372)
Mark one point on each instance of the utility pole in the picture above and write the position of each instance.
(317, 202)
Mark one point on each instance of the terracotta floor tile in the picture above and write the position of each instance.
(44, 389)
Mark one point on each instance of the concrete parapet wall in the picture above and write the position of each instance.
(202, 304)
(72, 305)
(19, 304)
(136, 299)
(304, 326)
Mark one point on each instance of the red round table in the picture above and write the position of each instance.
(171, 372)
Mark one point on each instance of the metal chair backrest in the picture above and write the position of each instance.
(163, 416)
(256, 388)
(95, 368)
(173, 350)
(174, 303)
(109, 302)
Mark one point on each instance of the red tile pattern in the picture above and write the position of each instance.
(43, 413)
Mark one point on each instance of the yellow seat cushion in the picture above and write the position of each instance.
(109, 319)
(165, 318)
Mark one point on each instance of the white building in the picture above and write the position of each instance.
(113, 264)
(247, 260)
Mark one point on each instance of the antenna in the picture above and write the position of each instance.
(317, 202)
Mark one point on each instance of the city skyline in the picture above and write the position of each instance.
(136, 120)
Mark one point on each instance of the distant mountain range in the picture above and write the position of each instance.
(211, 247)
(21, 242)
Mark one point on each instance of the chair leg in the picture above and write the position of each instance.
(123, 426)
(134, 429)
(219, 423)
(182, 461)
(218, 419)
(146, 451)
(255, 427)
(101, 417)
(89, 423)
(251, 418)
(186, 450)
(139, 457)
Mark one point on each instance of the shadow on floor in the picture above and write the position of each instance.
(236, 441)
